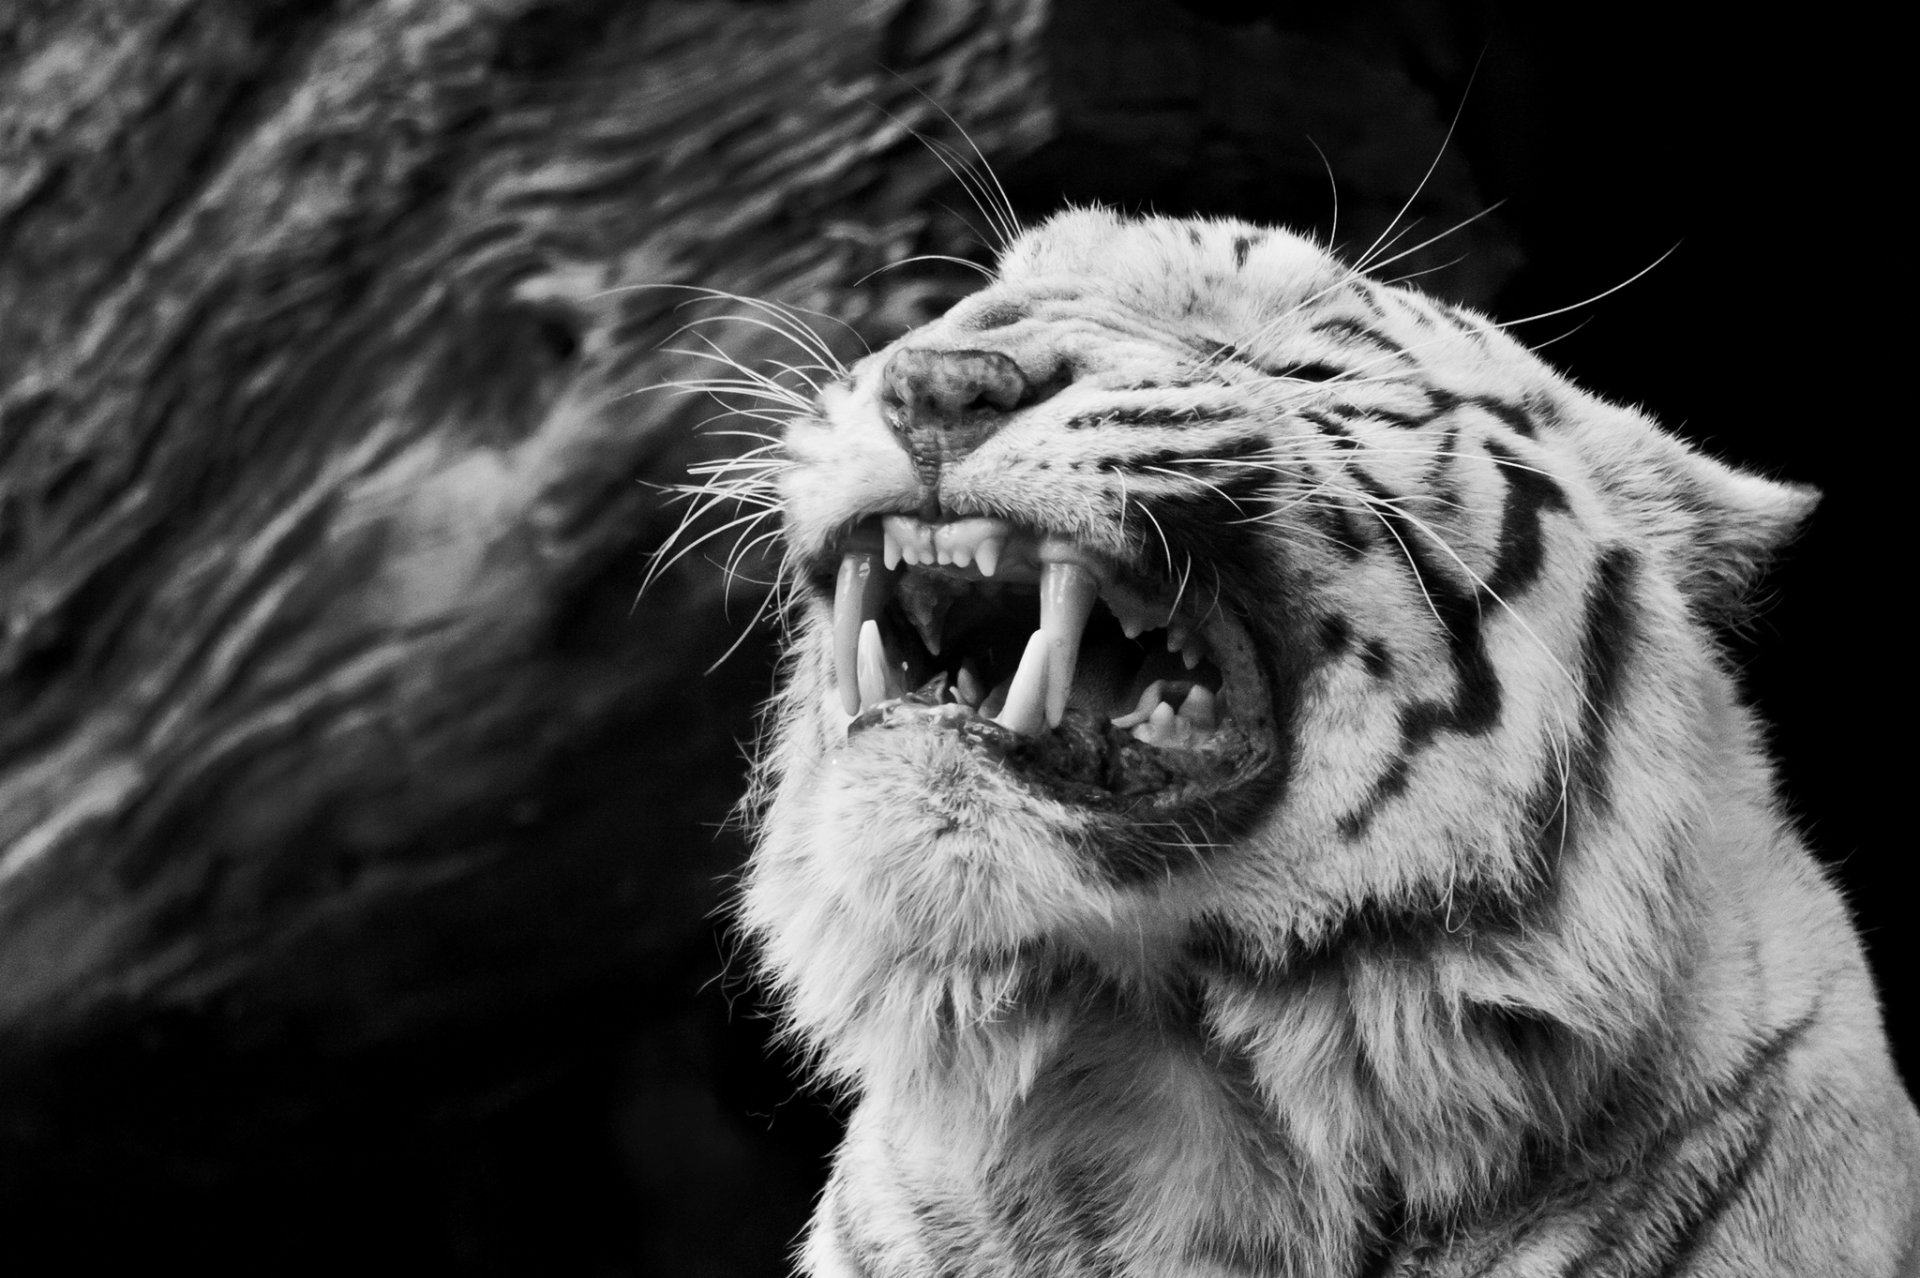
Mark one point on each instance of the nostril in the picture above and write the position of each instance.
(943, 390)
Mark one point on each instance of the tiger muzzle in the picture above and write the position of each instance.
(943, 404)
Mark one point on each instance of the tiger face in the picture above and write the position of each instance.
(1248, 744)
(1184, 573)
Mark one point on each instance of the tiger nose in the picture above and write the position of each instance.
(943, 404)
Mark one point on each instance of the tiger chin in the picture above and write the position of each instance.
(1256, 793)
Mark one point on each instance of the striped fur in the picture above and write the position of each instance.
(1508, 964)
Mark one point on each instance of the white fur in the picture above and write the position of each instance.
(906, 889)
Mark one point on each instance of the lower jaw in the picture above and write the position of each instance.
(1085, 760)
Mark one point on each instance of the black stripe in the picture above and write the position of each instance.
(1312, 371)
(1446, 459)
(1388, 786)
(1477, 696)
(1217, 948)
(1332, 428)
(1522, 550)
(1741, 1111)
(1156, 416)
(1354, 331)
(995, 315)
(1211, 522)
(1549, 816)
(1540, 410)
(1378, 660)
(1191, 459)
(1335, 635)
(1343, 526)
(1460, 612)
(1241, 247)
(1512, 415)
(1227, 351)
(1607, 644)
(1162, 383)
(1408, 927)
(1390, 1224)
(1463, 325)
(1394, 417)
(1707, 1211)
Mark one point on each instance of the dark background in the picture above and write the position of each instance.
(617, 1110)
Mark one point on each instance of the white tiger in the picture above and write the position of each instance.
(1256, 793)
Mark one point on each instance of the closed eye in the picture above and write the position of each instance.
(1314, 372)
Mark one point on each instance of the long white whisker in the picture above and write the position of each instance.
(1528, 319)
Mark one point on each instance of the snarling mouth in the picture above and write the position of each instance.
(1068, 665)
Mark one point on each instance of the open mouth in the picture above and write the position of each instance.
(1069, 666)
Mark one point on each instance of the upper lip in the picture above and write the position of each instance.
(1022, 627)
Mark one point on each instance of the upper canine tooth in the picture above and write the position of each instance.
(860, 591)
(1067, 592)
(1025, 710)
(890, 549)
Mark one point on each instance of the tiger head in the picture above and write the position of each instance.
(1185, 606)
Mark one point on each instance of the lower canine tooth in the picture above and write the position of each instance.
(873, 665)
(1026, 708)
(968, 686)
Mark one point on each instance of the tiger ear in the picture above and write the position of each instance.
(1714, 527)
(1739, 522)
